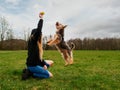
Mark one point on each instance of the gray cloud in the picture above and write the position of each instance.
(85, 18)
(102, 20)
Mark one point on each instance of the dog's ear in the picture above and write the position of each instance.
(65, 26)
(57, 23)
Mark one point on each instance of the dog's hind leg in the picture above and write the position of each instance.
(65, 56)
(71, 58)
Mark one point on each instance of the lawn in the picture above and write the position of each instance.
(92, 70)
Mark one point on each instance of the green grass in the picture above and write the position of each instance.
(92, 70)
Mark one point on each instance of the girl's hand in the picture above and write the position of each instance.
(41, 14)
(45, 67)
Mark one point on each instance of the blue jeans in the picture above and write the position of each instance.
(39, 72)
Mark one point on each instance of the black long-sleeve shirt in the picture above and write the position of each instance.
(33, 58)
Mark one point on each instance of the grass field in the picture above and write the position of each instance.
(92, 70)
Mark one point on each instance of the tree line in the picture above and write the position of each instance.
(88, 44)
(80, 44)
(96, 44)
(7, 41)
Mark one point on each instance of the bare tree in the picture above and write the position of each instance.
(3, 28)
(26, 34)
(9, 34)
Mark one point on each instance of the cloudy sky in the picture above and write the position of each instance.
(85, 18)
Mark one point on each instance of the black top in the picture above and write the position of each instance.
(33, 58)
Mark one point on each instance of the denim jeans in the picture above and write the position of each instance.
(39, 72)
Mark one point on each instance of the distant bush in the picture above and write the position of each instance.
(13, 44)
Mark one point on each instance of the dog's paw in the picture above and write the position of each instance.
(66, 64)
(71, 63)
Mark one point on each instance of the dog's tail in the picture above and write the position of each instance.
(72, 46)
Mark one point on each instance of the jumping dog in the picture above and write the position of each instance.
(61, 45)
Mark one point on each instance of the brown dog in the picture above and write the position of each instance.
(61, 45)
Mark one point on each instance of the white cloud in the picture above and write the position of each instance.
(85, 18)
(14, 2)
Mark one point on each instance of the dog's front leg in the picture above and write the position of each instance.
(48, 42)
(53, 42)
